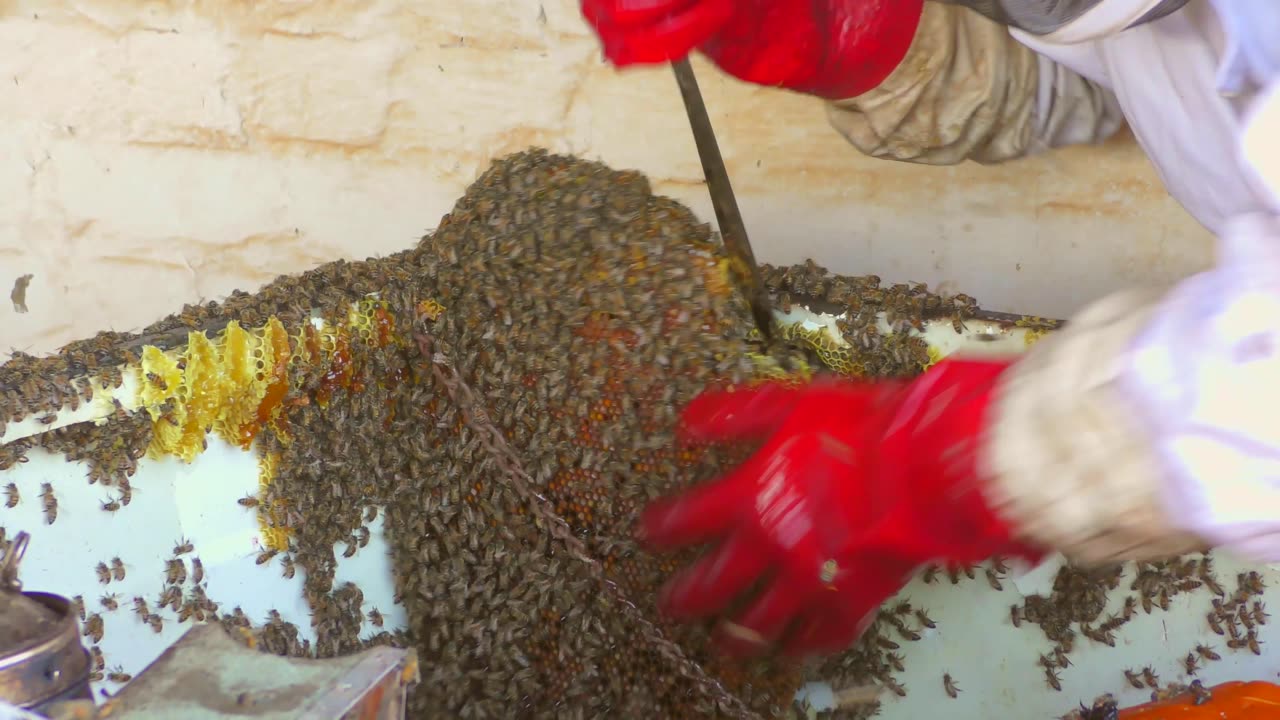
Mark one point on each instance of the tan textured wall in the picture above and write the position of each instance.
(156, 153)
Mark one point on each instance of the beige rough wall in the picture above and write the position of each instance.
(156, 153)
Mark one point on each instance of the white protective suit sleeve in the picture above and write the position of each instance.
(1147, 425)
(967, 90)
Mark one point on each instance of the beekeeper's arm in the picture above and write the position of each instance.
(1144, 428)
(918, 81)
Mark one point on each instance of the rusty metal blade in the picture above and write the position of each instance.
(729, 217)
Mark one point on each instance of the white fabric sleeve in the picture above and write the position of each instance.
(967, 90)
(1068, 463)
(1205, 377)
(1147, 426)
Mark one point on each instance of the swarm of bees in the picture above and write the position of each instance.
(1239, 616)
(506, 410)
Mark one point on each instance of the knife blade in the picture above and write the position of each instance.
(733, 231)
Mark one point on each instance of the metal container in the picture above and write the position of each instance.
(207, 675)
(41, 659)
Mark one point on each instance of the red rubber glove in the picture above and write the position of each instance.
(834, 49)
(856, 486)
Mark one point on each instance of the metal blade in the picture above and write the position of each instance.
(742, 260)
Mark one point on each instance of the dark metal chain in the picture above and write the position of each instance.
(509, 463)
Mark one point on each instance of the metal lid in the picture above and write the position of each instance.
(40, 653)
(23, 621)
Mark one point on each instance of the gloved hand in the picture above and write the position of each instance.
(835, 49)
(856, 486)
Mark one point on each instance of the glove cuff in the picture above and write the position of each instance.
(1068, 463)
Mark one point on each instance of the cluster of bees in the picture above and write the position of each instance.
(1239, 616)
(523, 371)
(860, 303)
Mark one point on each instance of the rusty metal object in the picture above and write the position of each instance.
(41, 659)
(208, 675)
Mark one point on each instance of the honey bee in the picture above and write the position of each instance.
(140, 607)
(1130, 607)
(109, 602)
(118, 675)
(375, 617)
(1253, 582)
(895, 660)
(96, 676)
(1260, 613)
(1214, 624)
(1135, 679)
(953, 691)
(1211, 582)
(265, 556)
(117, 569)
(1188, 585)
(1149, 675)
(171, 597)
(1207, 652)
(156, 622)
(183, 547)
(11, 495)
(289, 569)
(925, 620)
(931, 574)
(1051, 677)
(104, 573)
(47, 419)
(1254, 643)
(887, 643)
(176, 572)
(248, 501)
(50, 503)
(898, 689)
(1246, 616)
(1189, 663)
(993, 579)
(99, 662)
(1200, 694)
(111, 505)
(197, 571)
(94, 628)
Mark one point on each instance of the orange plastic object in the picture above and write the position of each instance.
(1230, 701)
